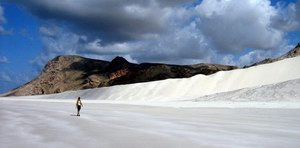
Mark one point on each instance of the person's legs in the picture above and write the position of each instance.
(78, 110)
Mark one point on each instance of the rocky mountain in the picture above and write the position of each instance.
(65, 73)
(292, 53)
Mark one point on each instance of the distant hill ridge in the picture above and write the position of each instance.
(65, 73)
(292, 53)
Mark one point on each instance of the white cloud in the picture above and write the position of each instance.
(3, 60)
(4, 31)
(179, 45)
(213, 31)
(175, 47)
(5, 77)
(57, 42)
(287, 18)
(130, 59)
(233, 25)
(1, 30)
(48, 31)
(2, 20)
(10, 80)
(228, 60)
(259, 55)
(252, 57)
(97, 47)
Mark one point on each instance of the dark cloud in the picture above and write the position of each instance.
(107, 19)
(180, 46)
(168, 31)
(288, 17)
(297, 7)
(161, 31)
(231, 26)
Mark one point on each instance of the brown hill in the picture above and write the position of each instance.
(65, 73)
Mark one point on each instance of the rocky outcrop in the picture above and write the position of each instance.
(65, 73)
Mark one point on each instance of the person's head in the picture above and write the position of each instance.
(78, 98)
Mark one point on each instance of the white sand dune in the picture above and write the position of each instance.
(279, 95)
(288, 91)
(194, 87)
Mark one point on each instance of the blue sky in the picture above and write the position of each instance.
(18, 45)
(179, 32)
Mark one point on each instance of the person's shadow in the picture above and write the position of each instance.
(73, 114)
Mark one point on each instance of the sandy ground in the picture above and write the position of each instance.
(53, 124)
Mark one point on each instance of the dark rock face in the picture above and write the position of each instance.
(65, 73)
(292, 53)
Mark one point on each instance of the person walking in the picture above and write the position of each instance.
(78, 105)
